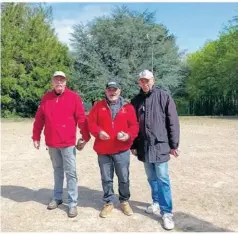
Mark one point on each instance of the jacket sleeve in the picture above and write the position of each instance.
(39, 122)
(132, 123)
(81, 119)
(172, 123)
(93, 127)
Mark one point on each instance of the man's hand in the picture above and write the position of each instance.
(80, 144)
(174, 152)
(134, 152)
(36, 144)
(122, 136)
(103, 135)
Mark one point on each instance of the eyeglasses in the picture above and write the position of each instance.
(60, 79)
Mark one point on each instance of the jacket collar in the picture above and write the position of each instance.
(142, 93)
(121, 100)
(55, 94)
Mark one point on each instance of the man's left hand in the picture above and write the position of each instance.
(125, 136)
(80, 144)
(174, 152)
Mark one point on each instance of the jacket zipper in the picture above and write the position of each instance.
(57, 99)
(145, 116)
(115, 115)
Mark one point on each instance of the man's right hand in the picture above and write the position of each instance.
(36, 144)
(103, 135)
(80, 144)
(134, 152)
(174, 152)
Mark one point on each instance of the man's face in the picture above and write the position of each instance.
(59, 83)
(112, 94)
(146, 84)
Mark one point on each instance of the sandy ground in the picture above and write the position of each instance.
(204, 184)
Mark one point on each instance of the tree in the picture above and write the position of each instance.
(31, 53)
(119, 47)
(213, 82)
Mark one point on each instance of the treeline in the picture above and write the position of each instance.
(212, 83)
(117, 47)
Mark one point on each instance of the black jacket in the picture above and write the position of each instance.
(159, 125)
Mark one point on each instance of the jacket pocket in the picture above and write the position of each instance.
(162, 147)
(161, 136)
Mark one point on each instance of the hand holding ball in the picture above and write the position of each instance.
(120, 135)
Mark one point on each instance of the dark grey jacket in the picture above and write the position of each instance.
(159, 125)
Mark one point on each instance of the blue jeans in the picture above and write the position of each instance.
(64, 161)
(158, 178)
(120, 162)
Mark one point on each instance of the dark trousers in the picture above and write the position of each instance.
(119, 162)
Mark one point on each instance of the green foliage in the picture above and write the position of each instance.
(182, 105)
(117, 47)
(212, 83)
(30, 53)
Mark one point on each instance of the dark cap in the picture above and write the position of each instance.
(112, 84)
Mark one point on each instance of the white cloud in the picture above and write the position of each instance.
(63, 27)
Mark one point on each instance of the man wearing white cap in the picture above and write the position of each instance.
(61, 110)
(158, 138)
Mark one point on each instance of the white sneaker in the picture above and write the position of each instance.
(168, 222)
(153, 209)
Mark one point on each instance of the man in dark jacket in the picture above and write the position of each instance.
(158, 138)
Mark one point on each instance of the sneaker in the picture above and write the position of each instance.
(72, 212)
(126, 209)
(168, 222)
(54, 204)
(107, 209)
(153, 209)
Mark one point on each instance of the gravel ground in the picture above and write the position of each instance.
(204, 184)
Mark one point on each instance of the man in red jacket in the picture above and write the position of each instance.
(60, 111)
(113, 123)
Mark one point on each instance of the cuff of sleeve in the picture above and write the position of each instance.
(87, 138)
(35, 138)
(173, 145)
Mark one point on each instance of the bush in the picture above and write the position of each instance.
(182, 106)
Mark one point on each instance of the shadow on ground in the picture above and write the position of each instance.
(93, 198)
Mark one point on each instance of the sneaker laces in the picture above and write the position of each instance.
(168, 216)
(155, 205)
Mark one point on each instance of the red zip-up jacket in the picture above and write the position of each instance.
(100, 118)
(60, 116)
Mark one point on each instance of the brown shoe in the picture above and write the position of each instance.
(72, 212)
(126, 209)
(54, 204)
(107, 209)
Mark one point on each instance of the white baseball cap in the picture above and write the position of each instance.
(59, 73)
(146, 74)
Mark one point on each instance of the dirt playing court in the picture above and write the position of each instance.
(204, 184)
